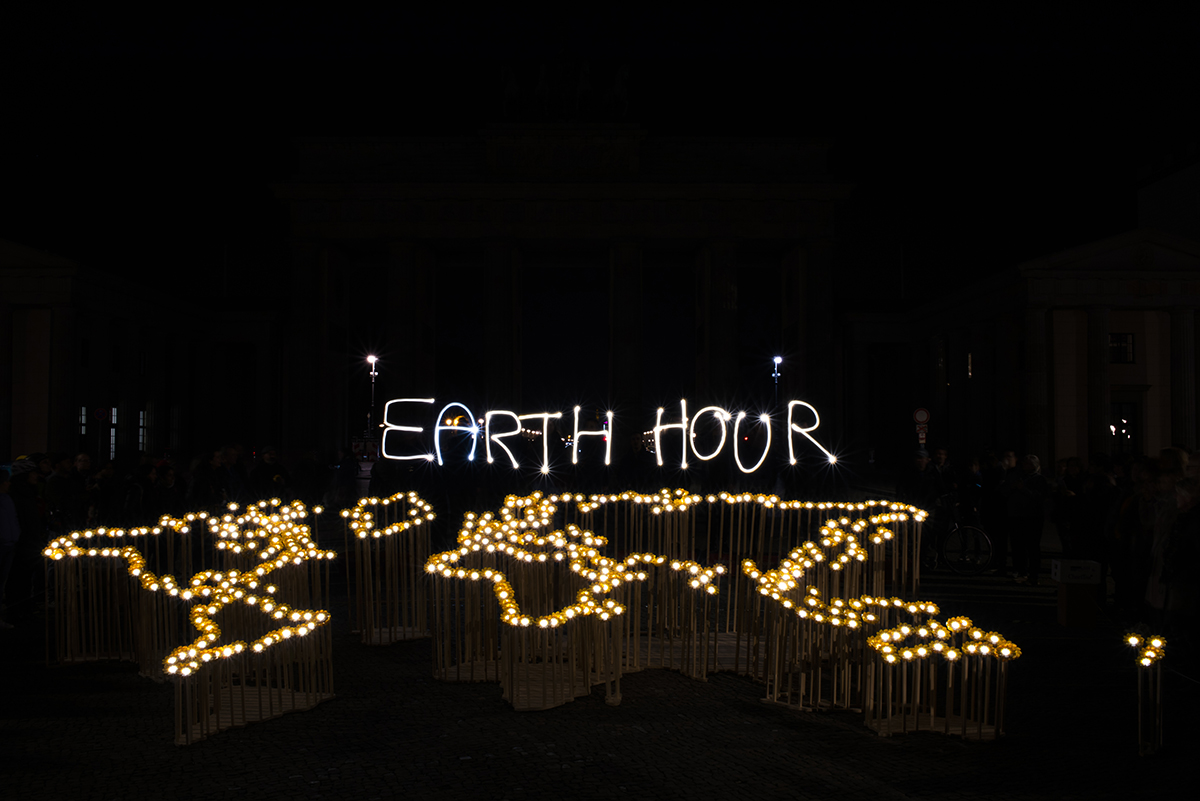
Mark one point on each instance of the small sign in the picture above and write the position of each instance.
(1075, 571)
(922, 429)
(921, 416)
(921, 438)
(101, 414)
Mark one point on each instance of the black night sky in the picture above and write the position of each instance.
(145, 146)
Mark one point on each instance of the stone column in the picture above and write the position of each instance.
(64, 350)
(1183, 378)
(6, 376)
(1037, 406)
(821, 334)
(1099, 405)
(716, 320)
(302, 349)
(411, 331)
(626, 348)
(625, 331)
(503, 315)
(793, 384)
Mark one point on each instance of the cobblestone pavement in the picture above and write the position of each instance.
(99, 731)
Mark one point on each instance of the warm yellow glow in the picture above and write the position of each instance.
(1151, 647)
(495, 533)
(272, 530)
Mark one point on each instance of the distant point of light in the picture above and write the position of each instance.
(372, 359)
(779, 360)
(832, 459)
(545, 470)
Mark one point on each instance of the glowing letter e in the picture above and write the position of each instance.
(682, 425)
(792, 427)
(389, 428)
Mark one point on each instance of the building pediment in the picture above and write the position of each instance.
(1140, 251)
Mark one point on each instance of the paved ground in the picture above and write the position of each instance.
(99, 731)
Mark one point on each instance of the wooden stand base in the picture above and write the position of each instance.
(239, 706)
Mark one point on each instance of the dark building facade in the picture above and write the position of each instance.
(94, 363)
(1090, 350)
(539, 266)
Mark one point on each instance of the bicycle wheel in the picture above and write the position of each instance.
(967, 550)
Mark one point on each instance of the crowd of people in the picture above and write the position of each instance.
(1137, 517)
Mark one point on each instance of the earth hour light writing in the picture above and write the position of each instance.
(495, 426)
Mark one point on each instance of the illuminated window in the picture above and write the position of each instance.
(112, 435)
(1120, 349)
(142, 431)
(82, 419)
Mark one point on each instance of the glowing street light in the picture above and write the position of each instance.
(775, 375)
(372, 360)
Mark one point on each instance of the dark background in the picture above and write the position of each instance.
(146, 146)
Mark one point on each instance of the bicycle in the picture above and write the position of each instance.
(964, 548)
(967, 549)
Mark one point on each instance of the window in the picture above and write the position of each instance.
(142, 432)
(82, 420)
(1120, 349)
(112, 435)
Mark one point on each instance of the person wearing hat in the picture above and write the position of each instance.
(914, 485)
(26, 492)
(270, 479)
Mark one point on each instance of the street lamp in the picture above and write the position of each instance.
(775, 375)
(372, 360)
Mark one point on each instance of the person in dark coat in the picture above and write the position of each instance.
(10, 534)
(1028, 491)
(270, 479)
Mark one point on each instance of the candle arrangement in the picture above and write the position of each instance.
(386, 543)
(552, 595)
(1150, 650)
(266, 656)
